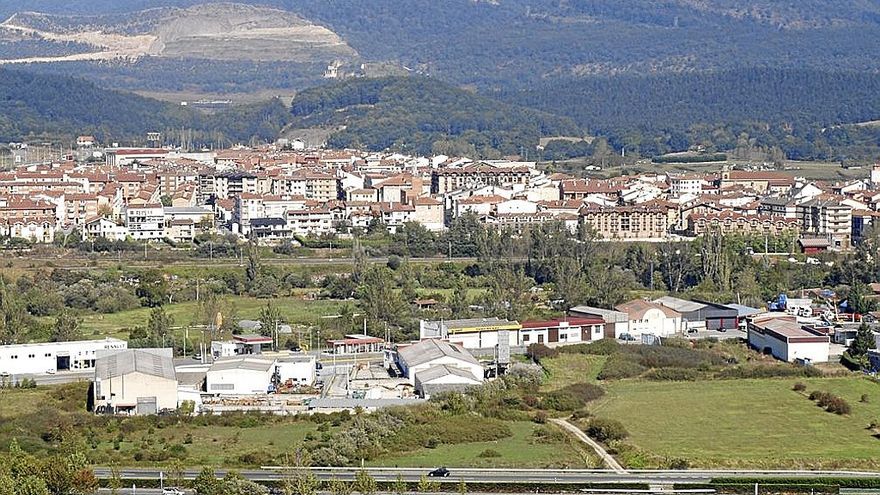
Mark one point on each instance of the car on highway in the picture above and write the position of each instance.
(172, 490)
(440, 472)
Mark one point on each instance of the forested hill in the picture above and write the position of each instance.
(517, 43)
(671, 101)
(58, 107)
(423, 115)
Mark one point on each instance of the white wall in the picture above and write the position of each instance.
(300, 372)
(40, 358)
(475, 369)
(482, 340)
(126, 389)
(654, 322)
(238, 382)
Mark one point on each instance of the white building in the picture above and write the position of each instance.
(443, 378)
(472, 333)
(300, 369)
(650, 318)
(786, 339)
(145, 222)
(135, 381)
(421, 356)
(242, 375)
(33, 359)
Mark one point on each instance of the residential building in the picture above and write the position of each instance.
(562, 331)
(649, 318)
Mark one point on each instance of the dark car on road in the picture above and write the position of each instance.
(440, 472)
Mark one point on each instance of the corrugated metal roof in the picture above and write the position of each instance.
(242, 363)
(120, 362)
(442, 370)
(431, 349)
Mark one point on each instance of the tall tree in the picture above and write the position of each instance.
(66, 327)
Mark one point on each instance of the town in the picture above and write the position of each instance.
(478, 307)
(281, 192)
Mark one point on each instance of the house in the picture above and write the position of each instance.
(472, 333)
(616, 322)
(426, 354)
(786, 339)
(562, 331)
(649, 318)
(240, 375)
(814, 246)
(134, 381)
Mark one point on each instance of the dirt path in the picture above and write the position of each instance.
(609, 461)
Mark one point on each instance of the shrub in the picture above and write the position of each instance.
(864, 398)
(672, 374)
(489, 453)
(603, 347)
(572, 397)
(679, 463)
(540, 351)
(619, 366)
(838, 405)
(606, 430)
(540, 417)
(799, 387)
(432, 443)
(769, 371)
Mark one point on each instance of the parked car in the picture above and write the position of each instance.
(627, 337)
(172, 490)
(440, 472)
(692, 330)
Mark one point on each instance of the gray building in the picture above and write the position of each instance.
(702, 314)
(134, 382)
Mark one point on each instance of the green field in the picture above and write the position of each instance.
(568, 369)
(519, 450)
(295, 310)
(754, 423)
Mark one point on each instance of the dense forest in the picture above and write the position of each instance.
(423, 115)
(56, 107)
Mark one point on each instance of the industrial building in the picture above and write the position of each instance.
(239, 345)
(782, 336)
(562, 331)
(300, 369)
(240, 375)
(51, 357)
(443, 378)
(355, 344)
(701, 314)
(616, 322)
(419, 357)
(134, 381)
(472, 333)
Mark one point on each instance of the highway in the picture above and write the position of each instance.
(512, 476)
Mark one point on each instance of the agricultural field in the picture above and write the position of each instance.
(747, 422)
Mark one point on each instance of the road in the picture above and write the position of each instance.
(57, 378)
(513, 476)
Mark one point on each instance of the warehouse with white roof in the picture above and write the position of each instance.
(134, 382)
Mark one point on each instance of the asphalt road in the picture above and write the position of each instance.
(57, 378)
(513, 476)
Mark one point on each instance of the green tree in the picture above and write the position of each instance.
(427, 485)
(459, 303)
(398, 488)
(269, 316)
(206, 483)
(14, 319)
(462, 487)
(152, 288)
(8, 485)
(863, 342)
(339, 487)
(159, 325)
(364, 483)
(31, 485)
(115, 481)
(66, 327)
(379, 300)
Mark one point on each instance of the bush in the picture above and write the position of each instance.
(672, 374)
(606, 430)
(540, 351)
(489, 453)
(540, 417)
(572, 397)
(863, 399)
(769, 371)
(838, 405)
(799, 387)
(619, 366)
(679, 463)
(603, 347)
